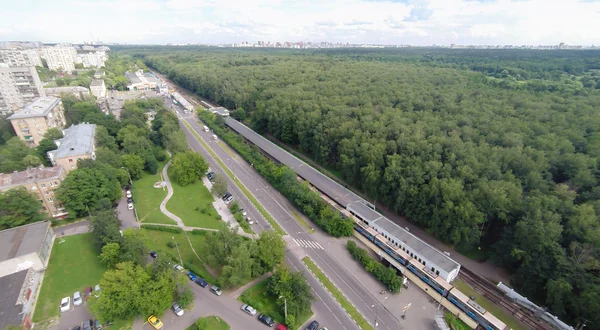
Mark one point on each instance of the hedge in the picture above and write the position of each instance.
(168, 229)
(387, 275)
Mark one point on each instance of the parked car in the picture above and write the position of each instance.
(65, 304)
(249, 221)
(228, 200)
(128, 193)
(248, 309)
(97, 325)
(178, 267)
(192, 276)
(155, 322)
(201, 282)
(97, 291)
(129, 200)
(130, 206)
(266, 320)
(243, 212)
(76, 328)
(177, 309)
(216, 290)
(77, 298)
(87, 325)
(87, 293)
(314, 325)
(281, 327)
(153, 254)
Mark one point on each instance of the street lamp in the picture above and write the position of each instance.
(177, 245)
(377, 311)
(285, 307)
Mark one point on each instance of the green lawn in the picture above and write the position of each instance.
(73, 266)
(193, 204)
(258, 297)
(121, 325)
(147, 199)
(489, 306)
(455, 323)
(209, 323)
(157, 240)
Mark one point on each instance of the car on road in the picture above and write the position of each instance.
(153, 254)
(266, 320)
(128, 193)
(130, 206)
(177, 309)
(249, 221)
(314, 325)
(77, 298)
(97, 291)
(87, 325)
(226, 195)
(65, 304)
(155, 322)
(201, 282)
(244, 213)
(216, 290)
(192, 276)
(248, 309)
(228, 200)
(97, 325)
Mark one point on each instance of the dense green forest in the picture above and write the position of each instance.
(494, 148)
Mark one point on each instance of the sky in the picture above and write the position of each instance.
(414, 22)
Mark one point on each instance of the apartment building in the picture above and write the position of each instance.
(40, 181)
(36, 118)
(92, 59)
(18, 86)
(98, 88)
(77, 91)
(19, 57)
(59, 57)
(77, 143)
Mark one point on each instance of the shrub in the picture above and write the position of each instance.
(185, 297)
(171, 244)
(387, 275)
(198, 232)
(168, 229)
(218, 217)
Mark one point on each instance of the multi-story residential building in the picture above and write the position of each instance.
(37, 117)
(24, 255)
(92, 59)
(59, 57)
(98, 88)
(77, 143)
(40, 181)
(34, 56)
(18, 86)
(15, 57)
(78, 91)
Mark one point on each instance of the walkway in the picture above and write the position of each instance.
(238, 292)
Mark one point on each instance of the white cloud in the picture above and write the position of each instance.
(368, 21)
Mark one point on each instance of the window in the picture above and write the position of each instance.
(437, 272)
(70, 160)
(43, 185)
(423, 262)
(53, 184)
(432, 269)
(50, 199)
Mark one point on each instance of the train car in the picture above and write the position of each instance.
(475, 311)
(429, 277)
(367, 231)
(390, 249)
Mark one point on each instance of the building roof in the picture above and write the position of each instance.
(67, 89)
(10, 292)
(15, 179)
(22, 240)
(133, 78)
(77, 140)
(40, 107)
(220, 111)
(97, 82)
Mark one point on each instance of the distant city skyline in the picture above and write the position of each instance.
(386, 22)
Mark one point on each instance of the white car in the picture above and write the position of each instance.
(243, 212)
(65, 304)
(250, 221)
(77, 299)
(178, 267)
(177, 309)
(228, 200)
(130, 206)
(128, 193)
(249, 309)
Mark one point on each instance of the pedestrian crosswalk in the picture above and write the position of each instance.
(308, 244)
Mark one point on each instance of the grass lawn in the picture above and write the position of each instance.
(350, 309)
(73, 266)
(490, 306)
(209, 323)
(147, 199)
(455, 323)
(157, 241)
(121, 325)
(193, 204)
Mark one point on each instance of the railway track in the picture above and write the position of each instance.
(491, 292)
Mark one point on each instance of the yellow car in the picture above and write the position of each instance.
(155, 322)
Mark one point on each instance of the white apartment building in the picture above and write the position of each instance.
(60, 57)
(18, 87)
(34, 56)
(98, 88)
(20, 57)
(92, 59)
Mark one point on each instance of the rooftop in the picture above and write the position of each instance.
(40, 107)
(15, 179)
(77, 140)
(97, 82)
(66, 89)
(220, 111)
(9, 296)
(22, 240)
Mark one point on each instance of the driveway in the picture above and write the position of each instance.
(126, 216)
(72, 318)
(76, 228)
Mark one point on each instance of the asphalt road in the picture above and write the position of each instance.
(327, 311)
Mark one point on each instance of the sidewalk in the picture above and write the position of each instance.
(238, 292)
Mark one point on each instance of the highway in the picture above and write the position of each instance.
(327, 311)
(278, 207)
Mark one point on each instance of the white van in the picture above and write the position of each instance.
(215, 137)
(206, 128)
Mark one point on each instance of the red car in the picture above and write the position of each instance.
(281, 327)
(87, 293)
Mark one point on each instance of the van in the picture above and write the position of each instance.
(206, 128)
(215, 137)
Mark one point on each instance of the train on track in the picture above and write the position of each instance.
(444, 292)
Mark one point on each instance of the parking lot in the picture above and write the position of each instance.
(74, 317)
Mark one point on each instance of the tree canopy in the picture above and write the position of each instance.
(18, 207)
(187, 167)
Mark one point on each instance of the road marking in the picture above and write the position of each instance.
(319, 245)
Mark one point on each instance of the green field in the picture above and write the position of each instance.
(193, 204)
(147, 199)
(73, 266)
(489, 306)
(157, 241)
(209, 323)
